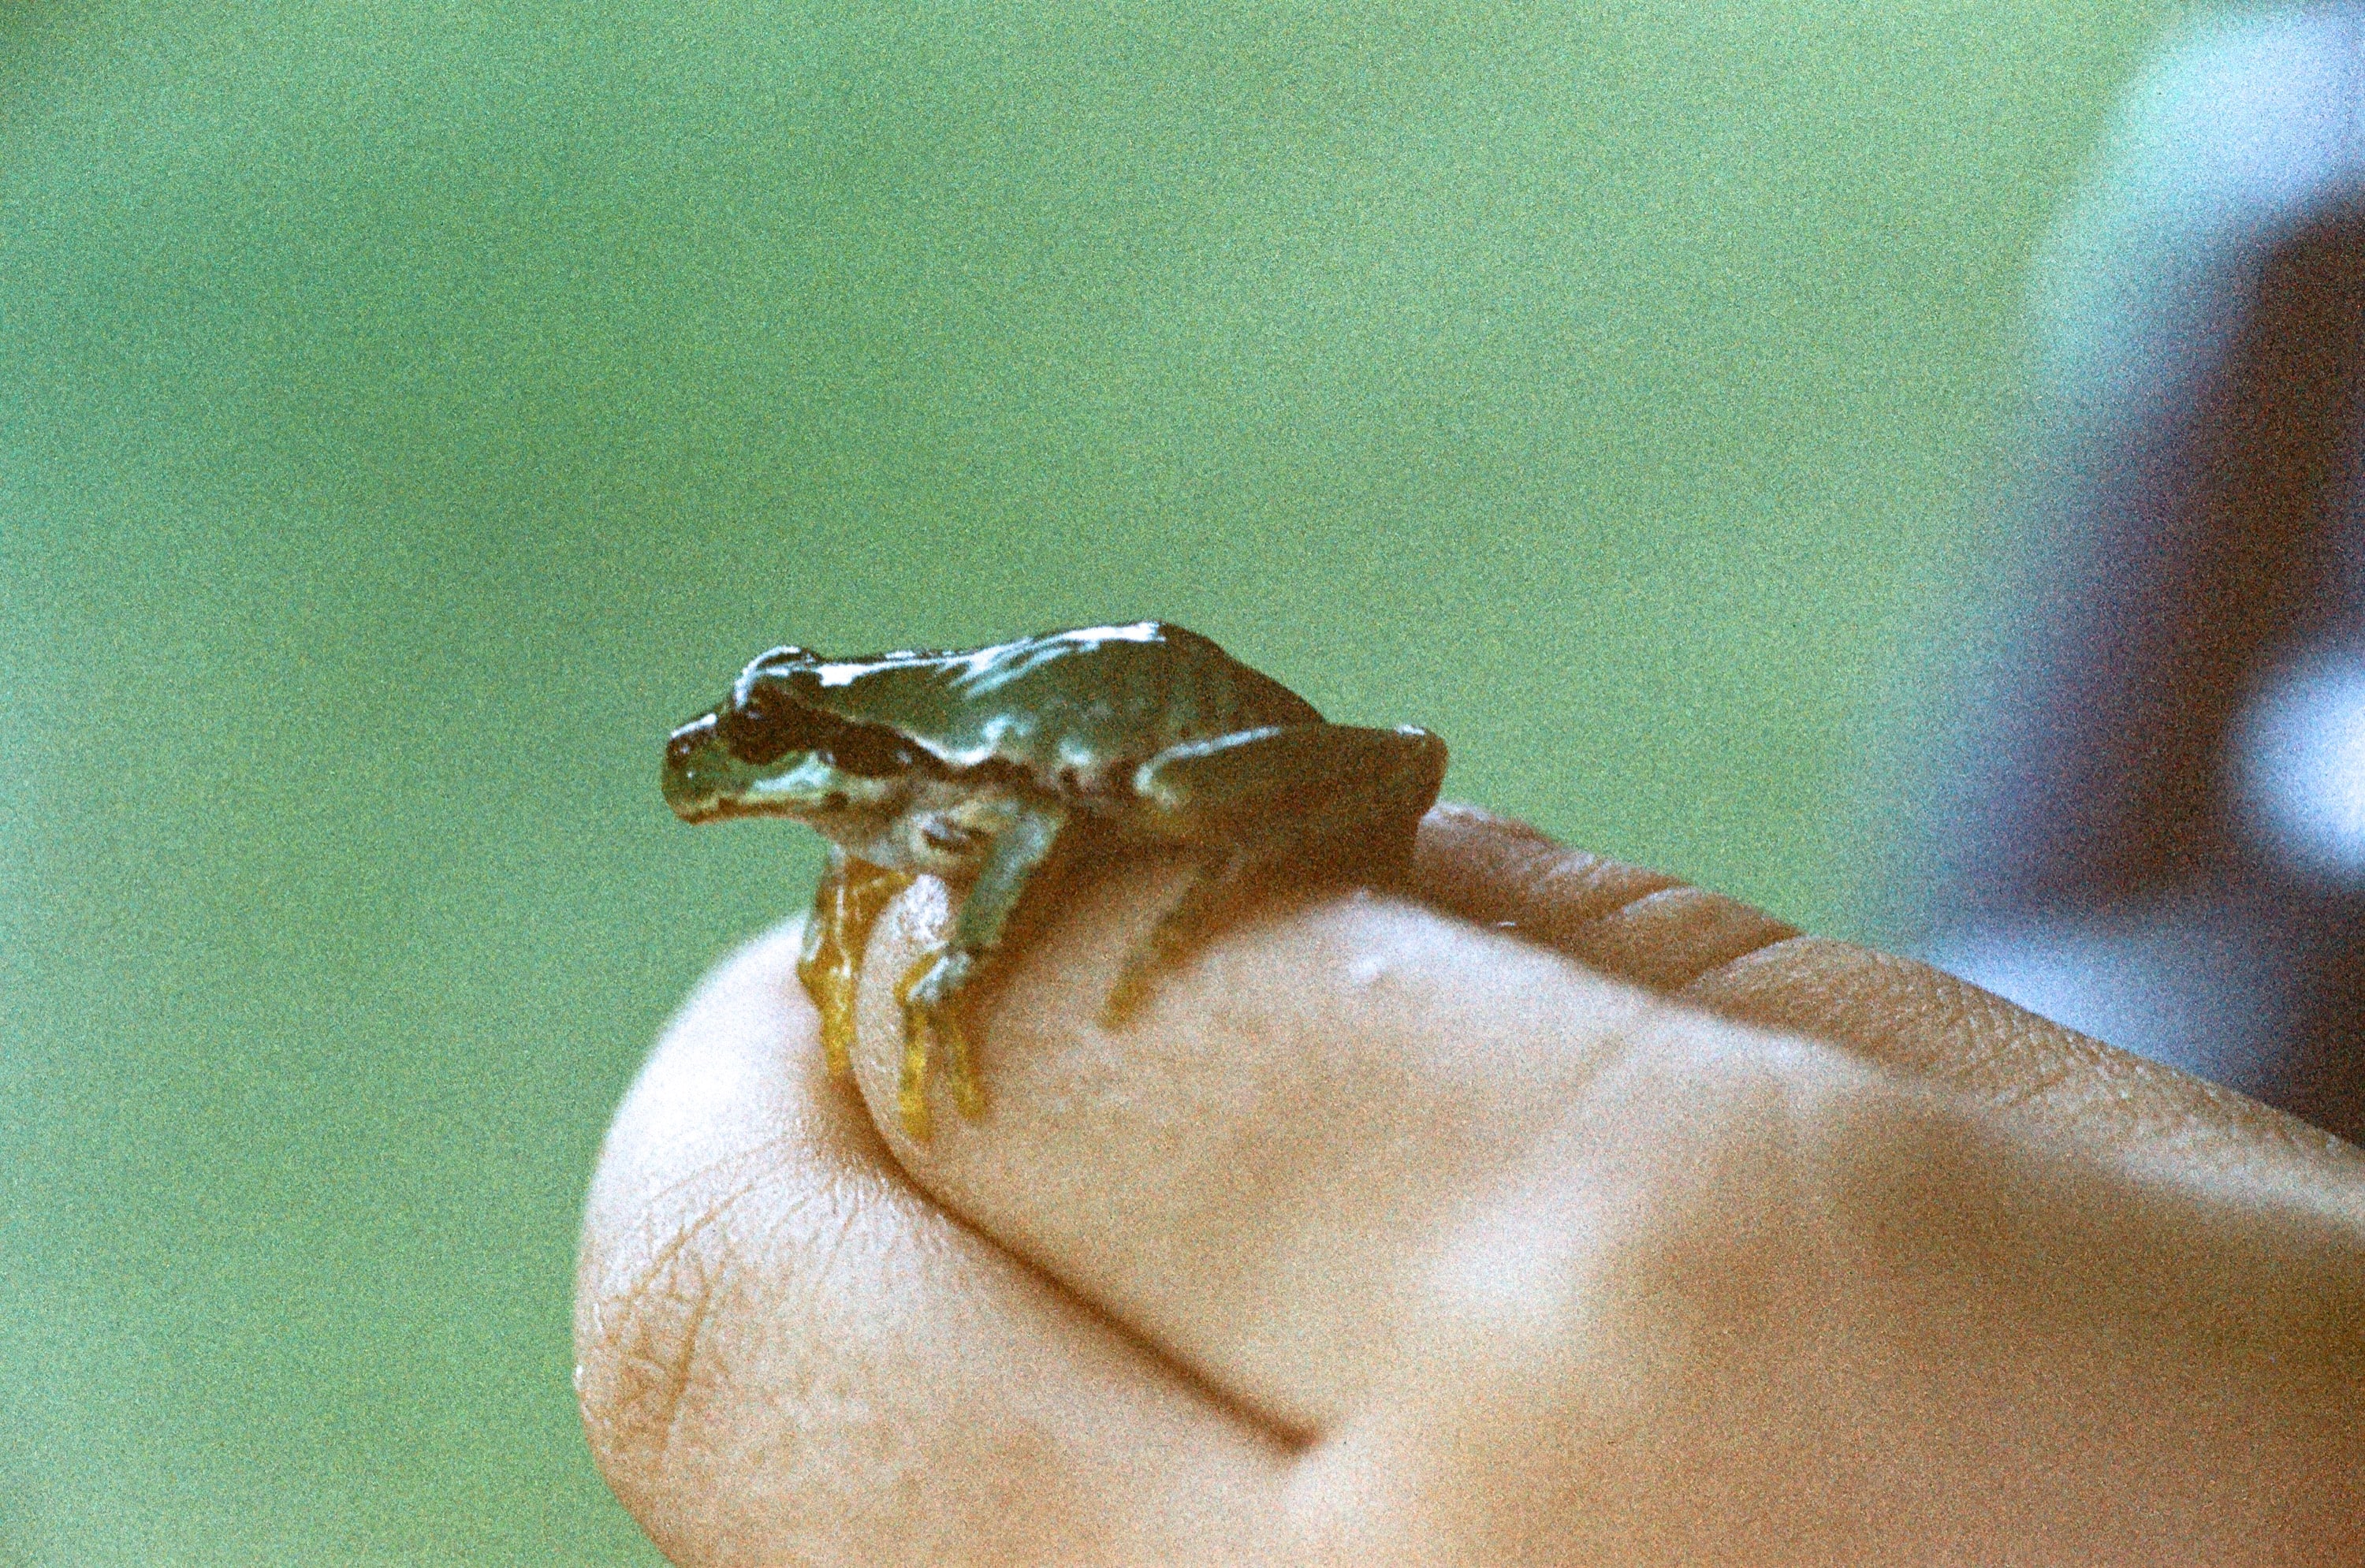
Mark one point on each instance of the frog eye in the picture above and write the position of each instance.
(870, 753)
(766, 724)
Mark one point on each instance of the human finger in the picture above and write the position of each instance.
(1253, 1171)
(1260, 1174)
(1711, 952)
(786, 1352)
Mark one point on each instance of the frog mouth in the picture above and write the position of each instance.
(697, 810)
(697, 769)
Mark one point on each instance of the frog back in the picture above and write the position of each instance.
(1075, 709)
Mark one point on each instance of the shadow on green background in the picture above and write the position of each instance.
(408, 412)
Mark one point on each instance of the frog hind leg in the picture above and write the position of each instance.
(846, 905)
(933, 989)
(1313, 803)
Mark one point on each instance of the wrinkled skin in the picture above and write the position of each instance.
(1653, 1232)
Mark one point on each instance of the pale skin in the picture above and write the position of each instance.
(1651, 1232)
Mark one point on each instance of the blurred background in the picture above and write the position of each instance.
(410, 411)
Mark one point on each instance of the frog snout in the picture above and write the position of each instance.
(695, 769)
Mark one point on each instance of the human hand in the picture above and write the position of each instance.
(1383, 1235)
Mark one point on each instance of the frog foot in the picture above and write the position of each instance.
(832, 984)
(846, 906)
(1132, 987)
(933, 1014)
(1211, 901)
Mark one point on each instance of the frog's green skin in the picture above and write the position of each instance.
(978, 767)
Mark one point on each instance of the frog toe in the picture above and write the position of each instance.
(935, 1018)
(829, 960)
(838, 1034)
(1125, 997)
(911, 1080)
(830, 983)
(950, 1030)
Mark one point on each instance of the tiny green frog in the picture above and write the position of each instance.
(981, 766)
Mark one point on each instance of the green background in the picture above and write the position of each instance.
(409, 411)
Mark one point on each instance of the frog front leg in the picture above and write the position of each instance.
(1309, 802)
(846, 906)
(932, 990)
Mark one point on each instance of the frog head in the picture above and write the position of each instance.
(773, 750)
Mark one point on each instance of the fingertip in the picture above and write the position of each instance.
(787, 1351)
(737, 1067)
